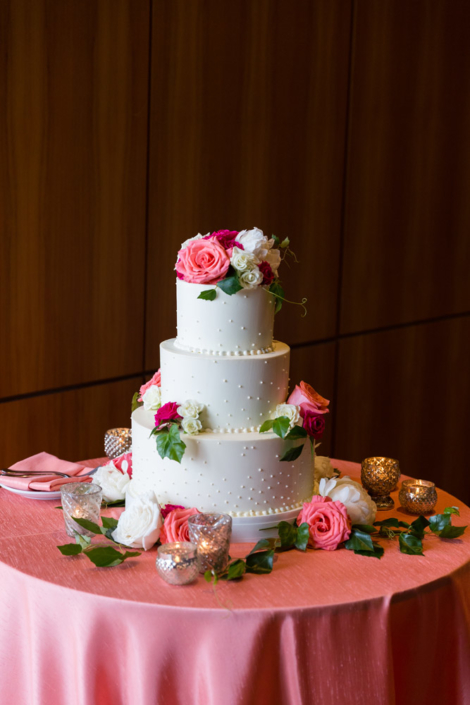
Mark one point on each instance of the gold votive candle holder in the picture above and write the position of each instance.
(379, 476)
(117, 441)
(418, 496)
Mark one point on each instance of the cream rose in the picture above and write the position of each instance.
(152, 398)
(243, 261)
(360, 507)
(140, 524)
(191, 425)
(190, 408)
(255, 242)
(251, 278)
(291, 411)
(273, 257)
(112, 482)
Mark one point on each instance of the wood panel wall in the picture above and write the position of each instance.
(130, 125)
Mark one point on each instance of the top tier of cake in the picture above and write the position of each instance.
(241, 324)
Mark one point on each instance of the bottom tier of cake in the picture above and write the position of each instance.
(237, 474)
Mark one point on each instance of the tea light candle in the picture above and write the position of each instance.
(117, 441)
(211, 533)
(379, 476)
(177, 563)
(80, 500)
(418, 496)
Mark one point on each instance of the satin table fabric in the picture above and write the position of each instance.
(328, 627)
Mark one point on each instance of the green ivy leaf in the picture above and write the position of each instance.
(418, 526)
(277, 290)
(452, 510)
(236, 570)
(452, 532)
(296, 433)
(135, 402)
(263, 544)
(376, 553)
(83, 541)
(365, 528)
(303, 536)
(438, 522)
(170, 445)
(359, 541)
(260, 563)
(208, 295)
(410, 544)
(107, 556)
(292, 453)
(267, 426)
(109, 522)
(392, 523)
(70, 549)
(287, 534)
(88, 525)
(276, 240)
(285, 243)
(230, 285)
(281, 426)
(208, 576)
(117, 503)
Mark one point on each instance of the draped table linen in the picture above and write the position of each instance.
(324, 627)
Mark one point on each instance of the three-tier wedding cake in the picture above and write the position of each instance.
(214, 430)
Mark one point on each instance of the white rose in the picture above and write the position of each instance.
(112, 482)
(132, 494)
(191, 239)
(152, 398)
(251, 278)
(273, 257)
(255, 242)
(291, 411)
(190, 408)
(139, 525)
(191, 425)
(360, 507)
(242, 261)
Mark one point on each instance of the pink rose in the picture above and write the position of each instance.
(169, 508)
(123, 463)
(203, 262)
(328, 522)
(225, 237)
(167, 412)
(175, 526)
(308, 399)
(267, 272)
(156, 379)
(314, 423)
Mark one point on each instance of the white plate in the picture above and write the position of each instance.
(32, 494)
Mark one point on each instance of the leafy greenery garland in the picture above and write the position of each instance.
(280, 427)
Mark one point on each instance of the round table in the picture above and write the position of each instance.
(324, 627)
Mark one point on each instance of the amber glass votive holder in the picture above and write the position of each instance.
(117, 441)
(418, 496)
(379, 476)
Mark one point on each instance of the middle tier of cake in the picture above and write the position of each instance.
(238, 393)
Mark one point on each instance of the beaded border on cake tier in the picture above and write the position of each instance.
(270, 511)
(247, 429)
(222, 353)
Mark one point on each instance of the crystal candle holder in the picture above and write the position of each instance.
(380, 476)
(117, 441)
(177, 562)
(211, 533)
(80, 500)
(418, 496)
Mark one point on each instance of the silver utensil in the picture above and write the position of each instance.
(8, 472)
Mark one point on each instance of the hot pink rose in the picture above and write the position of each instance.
(314, 423)
(308, 399)
(167, 412)
(225, 237)
(203, 262)
(123, 463)
(169, 508)
(328, 522)
(156, 379)
(175, 526)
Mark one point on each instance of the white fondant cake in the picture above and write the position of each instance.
(225, 360)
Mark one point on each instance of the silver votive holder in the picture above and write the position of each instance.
(80, 500)
(211, 533)
(418, 496)
(379, 476)
(117, 441)
(177, 562)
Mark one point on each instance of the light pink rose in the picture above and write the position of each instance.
(308, 399)
(175, 526)
(328, 522)
(203, 262)
(156, 379)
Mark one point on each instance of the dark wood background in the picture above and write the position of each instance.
(128, 126)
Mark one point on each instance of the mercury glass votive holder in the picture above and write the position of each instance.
(177, 562)
(418, 496)
(117, 441)
(379, 476)
(211, 533)
(80, 500)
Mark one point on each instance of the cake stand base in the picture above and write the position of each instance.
(248, 529)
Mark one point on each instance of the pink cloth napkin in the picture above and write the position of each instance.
(47, 482)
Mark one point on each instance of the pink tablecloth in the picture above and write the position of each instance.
(326, 627)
